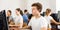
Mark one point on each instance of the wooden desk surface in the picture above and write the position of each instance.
(15, 27)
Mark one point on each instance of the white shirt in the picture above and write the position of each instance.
(48, 18)
(38, 23)
(19, 20)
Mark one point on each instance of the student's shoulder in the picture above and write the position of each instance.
(32, 17)
(20, 16)
(50, 16)
(43, 18)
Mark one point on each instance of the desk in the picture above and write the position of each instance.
(15, 27)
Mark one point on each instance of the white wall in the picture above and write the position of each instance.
(45, 4)
(58, 5)
(52, 4)
(11, 5)
(26, 4)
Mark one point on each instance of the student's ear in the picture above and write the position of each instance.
(39, 10)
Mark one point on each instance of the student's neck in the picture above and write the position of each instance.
(46, 15)
(37, 16)
(18, 14)
(24, 13)
(9, 15)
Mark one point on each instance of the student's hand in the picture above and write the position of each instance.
(26, 27)
(43, 28)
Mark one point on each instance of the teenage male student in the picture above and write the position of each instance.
(37, 22)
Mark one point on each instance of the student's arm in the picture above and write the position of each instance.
(43, 28)
(52, 20)
(27, 27)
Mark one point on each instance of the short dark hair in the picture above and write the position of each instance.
(38, 5)
(49, 10)
(25, 10)
(19, 10)
(9, 11)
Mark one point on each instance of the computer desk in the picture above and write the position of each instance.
(15, 27)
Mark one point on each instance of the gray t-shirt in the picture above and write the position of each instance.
(19, 20)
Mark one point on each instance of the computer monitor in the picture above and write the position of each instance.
(3, 21)
(59, 19)
(59, 15)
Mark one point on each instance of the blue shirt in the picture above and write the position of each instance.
(25, 18)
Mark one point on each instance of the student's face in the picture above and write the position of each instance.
(48, 12)
(34, 10)
(17, 12)
(8, 13)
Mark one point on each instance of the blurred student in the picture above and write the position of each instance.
(18, 19)
(25, 17)
(9, 17)
(49, 18)
(37, 22)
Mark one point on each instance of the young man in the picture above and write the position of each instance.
(37, 22)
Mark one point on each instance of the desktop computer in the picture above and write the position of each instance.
(59, 19)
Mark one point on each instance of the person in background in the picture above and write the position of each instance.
(18, 19)
(37, 21)
(49, 18)
(27, 12)
(25, 17)
(9, 17)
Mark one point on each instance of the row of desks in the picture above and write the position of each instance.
(15, 27)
